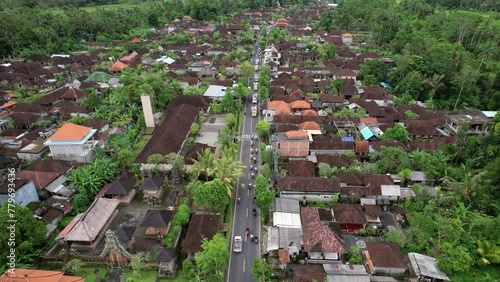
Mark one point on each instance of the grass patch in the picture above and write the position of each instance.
(144, 275)
(137, 148)
(490, 273)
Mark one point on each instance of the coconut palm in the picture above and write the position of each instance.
(489, 251)
(433, 83)
(470, 187)
(204, 163)
(228, 170)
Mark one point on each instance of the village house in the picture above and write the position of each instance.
(72, 142)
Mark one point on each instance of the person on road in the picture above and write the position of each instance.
(238, 200)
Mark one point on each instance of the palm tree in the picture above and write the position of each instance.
(471, 185)
(489, 251)
(433, 83)
(228, 170)
(204, 162)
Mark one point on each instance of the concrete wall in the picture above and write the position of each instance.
(147, 109)
(24, 195)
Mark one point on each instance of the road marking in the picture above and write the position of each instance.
(246, 136)
(244, 262)
(248, 193)
(247, 212)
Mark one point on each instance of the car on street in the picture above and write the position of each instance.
(237, 244)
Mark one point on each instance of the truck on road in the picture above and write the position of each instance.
(254, 111)
(237, 244)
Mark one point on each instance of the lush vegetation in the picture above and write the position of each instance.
(448, 58)
(28, 27)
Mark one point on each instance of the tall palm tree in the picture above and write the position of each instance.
(489, 251)
(228, 170)
(204, 162)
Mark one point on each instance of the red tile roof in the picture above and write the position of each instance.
(309, 125)
(317, 234)
(349, 214)
(296, 134)
(34, 275)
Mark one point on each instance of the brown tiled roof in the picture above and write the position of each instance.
(350, 178)
(325, 98)
(170, 134)
(18, 183)
(202, 225)
(317, 234)
(330, 143)
(13, 132)
(375, 181)
(302, 168)
(121, 187)
(73, 93)
(386, 255)
(349, 214)
(373, 210)
(152, 183)
(309, 184)
(284, 127)
(50, 165)
(334, 160)
(192, 100)
(24, 119)
(423, 146)
(69, 107)
(157, 218)
(344, 72)
(40, 178)
(29, 108)
(96, 123)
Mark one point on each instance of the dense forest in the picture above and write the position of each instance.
(29, 27)
(449, 58)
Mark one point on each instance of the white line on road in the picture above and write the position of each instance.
(247, 212)
(244, 265)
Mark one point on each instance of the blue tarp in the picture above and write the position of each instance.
(348, 138)
(385, 85)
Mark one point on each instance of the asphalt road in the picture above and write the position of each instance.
(243, 217)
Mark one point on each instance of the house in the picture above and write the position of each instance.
(166, 258)
(117, 67)
(344, 74)
(308, 273)
(125, 234)
(27, 275)
(475, 121)
(151, 188)
(33, 151)
(215, 92)
(101, 125)
(302, 168)
(88, 231)
(157, 222)
(202, 225)
(347, 38)
(24, 192)
(372, 213)
(292, 144)
(385, 258)
(60, 203)
(426, 268)
(346, 272)
(309, 188)
(350, 217)
(322, 239)
(122, 190)
(73, 142)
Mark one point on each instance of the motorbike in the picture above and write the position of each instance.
(250, 185)
(247, 232)
(256, 239)
(254, 212)
(253, 175)
(238, 200)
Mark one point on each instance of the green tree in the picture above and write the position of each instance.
(396, 133)
(212, 261)
(411, 115)
(72, 267)
(489, 252)
(395, 236)
(261, 271)
(227, 170)
(204, 163)
(376, 68)
(405, 175)
(324, 170)
(466, 80)
(432, 84)
(246, 70)
(454, 258)
(391, 160)
(28, 234)
(354, 255)
(262, 128)
(212, 193)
